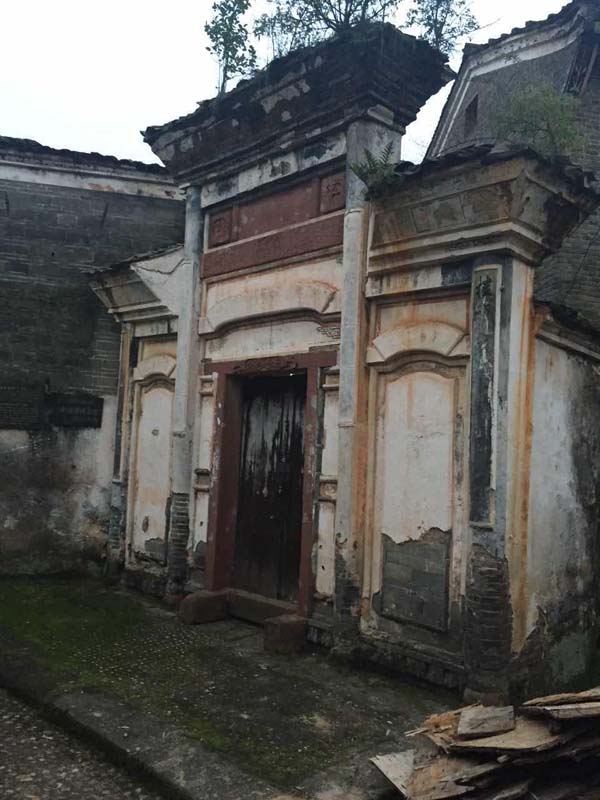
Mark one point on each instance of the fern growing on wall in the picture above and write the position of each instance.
(377, 172)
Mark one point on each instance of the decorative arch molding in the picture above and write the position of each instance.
(156, 367)
(441, 338)
(315, 296)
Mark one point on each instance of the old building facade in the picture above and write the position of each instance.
(330, 405)
(557, 560)
(63, 215)
(560, 52)
(266, 172)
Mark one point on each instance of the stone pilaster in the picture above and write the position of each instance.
(352, 455)
(500, 330)
(118, 501)
(186, 376)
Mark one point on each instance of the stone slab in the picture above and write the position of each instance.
(285, 634)
(203, 607)
(254, 608)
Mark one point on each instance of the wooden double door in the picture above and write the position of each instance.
(270, 486)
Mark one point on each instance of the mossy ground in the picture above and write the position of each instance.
(283, 719)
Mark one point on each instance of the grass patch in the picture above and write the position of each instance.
(67, 620)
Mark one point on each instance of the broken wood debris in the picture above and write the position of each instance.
(548, 750)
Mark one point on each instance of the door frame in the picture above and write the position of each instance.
(222, 514)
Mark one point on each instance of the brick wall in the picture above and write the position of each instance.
(52, 327)
(494, 89)
(571, 278)
(55, 479)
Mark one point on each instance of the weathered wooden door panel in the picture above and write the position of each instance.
(269, 520)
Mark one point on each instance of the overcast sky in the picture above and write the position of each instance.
(90, 76)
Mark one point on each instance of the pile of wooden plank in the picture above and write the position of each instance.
(548, 749)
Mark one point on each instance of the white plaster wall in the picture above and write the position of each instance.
(270, 294)
(96, 448)
(207, 404)
(325, 567)
(558, 551)
(415, 446)
(56, 498)
(204, 444)
(329, 458)
(417, 435)
(150, 348)
(325, 550)
(149, 454)
(453, 312)
(113, 181)
(327, 271)
(200, 528)
(268, 339)
(152, 474)
(163, 276)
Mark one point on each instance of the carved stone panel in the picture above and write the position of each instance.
(220, 230)
(333, 193)
(485, 288)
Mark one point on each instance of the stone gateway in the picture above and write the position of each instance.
(351, 413)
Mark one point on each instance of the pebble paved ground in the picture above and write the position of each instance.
(39, 761)
(284, 719)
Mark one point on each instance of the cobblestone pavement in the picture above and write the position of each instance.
(283, 719)
(39, 761)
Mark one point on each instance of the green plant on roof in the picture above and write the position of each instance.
(542, 118)
(289, 24)
(230, 41)
(286, 25)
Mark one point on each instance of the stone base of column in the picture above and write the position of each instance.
(488, 628)
(115, 550)
(179, 532)
(116, 529)
(346, 620)
(285, 634)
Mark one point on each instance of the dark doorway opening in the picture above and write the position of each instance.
(268, 538)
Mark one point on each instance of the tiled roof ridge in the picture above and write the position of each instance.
(490, 152)
(277, 65)
(565, 12)
(30, 146)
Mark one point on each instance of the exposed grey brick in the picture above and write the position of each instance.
(53, 328)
